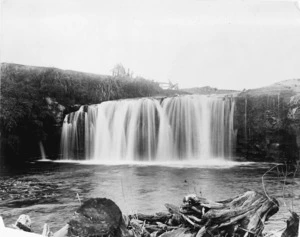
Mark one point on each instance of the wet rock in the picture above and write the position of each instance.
(98, 217)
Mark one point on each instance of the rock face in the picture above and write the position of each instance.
(97, 217)
(56, 109)
(267, 122)
(294, 117)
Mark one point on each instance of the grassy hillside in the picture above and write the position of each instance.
(207, 90)
(26, 118)
(71, 87)
(285, 89)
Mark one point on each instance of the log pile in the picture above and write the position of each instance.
(243, 215)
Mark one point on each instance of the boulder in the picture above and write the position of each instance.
(23, 223)
(97, 217)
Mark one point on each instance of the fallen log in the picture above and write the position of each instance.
(161, 217)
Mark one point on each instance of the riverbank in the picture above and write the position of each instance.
(195, 217)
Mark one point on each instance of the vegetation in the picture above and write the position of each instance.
(207, 90)
(26, 118)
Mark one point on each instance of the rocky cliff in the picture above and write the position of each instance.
(267, 122)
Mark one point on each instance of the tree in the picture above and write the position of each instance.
(119, 70)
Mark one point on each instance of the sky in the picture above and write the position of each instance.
(219, 43)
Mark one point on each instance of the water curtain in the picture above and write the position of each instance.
(150, 129)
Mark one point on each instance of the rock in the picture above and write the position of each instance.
(23, 223)
(98, 217)
(292, 226)
(267, 126)
(56, 109)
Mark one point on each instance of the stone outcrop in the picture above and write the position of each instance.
(294, 117)
(267, 122)
(56, 109)
(98, 217)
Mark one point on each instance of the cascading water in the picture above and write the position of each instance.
(176, 128)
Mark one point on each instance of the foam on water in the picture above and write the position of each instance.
(205, 163)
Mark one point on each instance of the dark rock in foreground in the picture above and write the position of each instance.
(97, 217)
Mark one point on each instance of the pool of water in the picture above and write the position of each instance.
(137, 187)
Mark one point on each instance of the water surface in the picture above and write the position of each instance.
(137, 188)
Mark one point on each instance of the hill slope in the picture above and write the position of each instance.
(34, 100)
(207, 90)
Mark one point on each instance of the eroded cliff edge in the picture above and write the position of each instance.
(267, 122)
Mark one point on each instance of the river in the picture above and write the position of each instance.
(58, 188)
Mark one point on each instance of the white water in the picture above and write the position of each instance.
(204, 163)
(42, 150)
(181, 128)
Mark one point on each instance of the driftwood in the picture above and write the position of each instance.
(243, 215)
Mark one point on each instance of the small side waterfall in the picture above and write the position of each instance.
(148, 129)
(42, 150)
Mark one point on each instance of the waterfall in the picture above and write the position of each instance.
(148, 129)
(42, 150)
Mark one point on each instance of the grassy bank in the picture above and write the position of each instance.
(26, 119)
